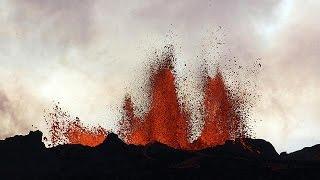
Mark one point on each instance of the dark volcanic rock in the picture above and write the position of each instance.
(305, 154)
(25, 157)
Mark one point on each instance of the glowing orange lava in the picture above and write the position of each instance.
(167, 122)
(65, 130)
(78, 134)
(221, 120)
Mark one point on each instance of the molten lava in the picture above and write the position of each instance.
(78, 134)
(167, 122)
(219, 113)
(65, 130)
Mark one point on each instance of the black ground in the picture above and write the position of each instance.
(25, 157)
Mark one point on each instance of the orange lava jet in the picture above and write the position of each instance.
(78, 134)
(167, 122)
(65, 130)
(221, 120)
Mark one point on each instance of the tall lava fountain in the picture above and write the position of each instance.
(167, 121)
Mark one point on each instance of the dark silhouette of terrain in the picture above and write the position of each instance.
(25, 157)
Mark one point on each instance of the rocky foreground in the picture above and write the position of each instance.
(26, 157)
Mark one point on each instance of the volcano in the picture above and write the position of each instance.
(156, 145)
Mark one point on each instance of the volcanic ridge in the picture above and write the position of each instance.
(26, 157)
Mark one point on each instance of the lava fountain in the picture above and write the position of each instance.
(167, 121)
(66, 130)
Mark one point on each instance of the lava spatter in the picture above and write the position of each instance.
(77, 133)
(165, 122)
(67, 130)
(168, 123)
(220, 113)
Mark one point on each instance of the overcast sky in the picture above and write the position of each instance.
(88, 54)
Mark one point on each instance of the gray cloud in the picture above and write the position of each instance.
(60, 22)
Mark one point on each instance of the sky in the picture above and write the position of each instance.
(88, 54)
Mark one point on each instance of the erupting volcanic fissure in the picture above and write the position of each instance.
(221, 121)
(167, 121)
